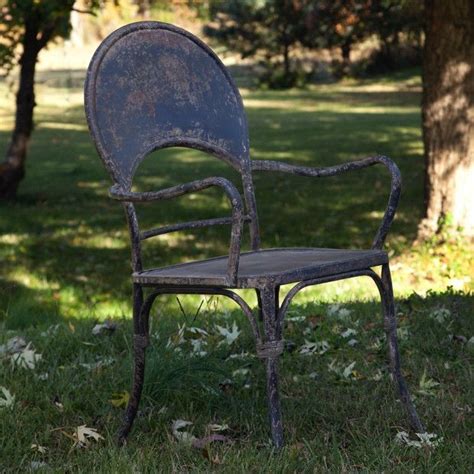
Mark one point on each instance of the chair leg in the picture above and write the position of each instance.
(390, 327)
(270, 350)
(140, 342)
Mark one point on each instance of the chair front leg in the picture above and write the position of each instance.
(269, 350)
(390, 327)
(141, 313)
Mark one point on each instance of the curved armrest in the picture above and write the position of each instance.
(394, 197)
(116, 192)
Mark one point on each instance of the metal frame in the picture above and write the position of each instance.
(268, 328)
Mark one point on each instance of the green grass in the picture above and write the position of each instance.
(65, 262)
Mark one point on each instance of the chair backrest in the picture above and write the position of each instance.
(151, 85)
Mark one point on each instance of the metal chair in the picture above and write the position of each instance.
(152, 85)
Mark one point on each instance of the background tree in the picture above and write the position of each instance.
(338, 23)
(27, 26)
(398, 24)
(448, 115)
(270, 28)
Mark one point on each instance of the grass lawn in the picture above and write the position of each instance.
(65, 266)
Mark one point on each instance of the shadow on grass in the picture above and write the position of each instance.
(63, 233)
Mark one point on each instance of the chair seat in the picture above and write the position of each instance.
(281, 266)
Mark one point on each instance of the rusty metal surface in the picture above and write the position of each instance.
(151, 85)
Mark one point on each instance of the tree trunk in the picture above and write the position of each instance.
(12, 170)
(286, 61)
(448, 115)
(346, 56)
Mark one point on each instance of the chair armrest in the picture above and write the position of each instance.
(396, 180)
(118, 193)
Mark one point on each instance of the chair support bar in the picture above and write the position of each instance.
(316, 281)
(187, 290)
(269, 165)
(147, 234)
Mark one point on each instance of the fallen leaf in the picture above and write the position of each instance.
(201, 443)
(240, 372)
(57, 403)
(377, 376)
(83, 435)
(120, 399)
(336, 311)
(230, 333)
(13, 345)
(402, 333)
(295, 319)
(226, 385)
(106, 327)
(427, 385)
(106, 361)
(197, 345)
(50, 331)
(8, 399)
(345, 372)
(318, 347)
(429, 440)
(182, 436)
(441, 315)
(177, 339)
(39, 448)
(27, 358)
(198, 331)
(348, 333)
(218, 428)
(242, 355)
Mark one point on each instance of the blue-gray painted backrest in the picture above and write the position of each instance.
(151, 85)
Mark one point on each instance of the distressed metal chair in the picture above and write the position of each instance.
(152, 85)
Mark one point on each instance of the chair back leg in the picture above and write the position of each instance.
(390, 327)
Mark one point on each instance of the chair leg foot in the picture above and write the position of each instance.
(140, 343)
(390, 326)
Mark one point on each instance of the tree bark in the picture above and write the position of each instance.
(448, 115)
(12, 170)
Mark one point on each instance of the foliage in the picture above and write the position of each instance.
(34, 21)
(268, 28)
(273, 29)
(339, 23)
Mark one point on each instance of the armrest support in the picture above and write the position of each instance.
(394, 197)
(116, 192)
